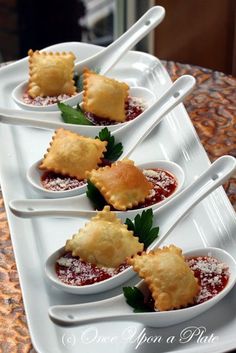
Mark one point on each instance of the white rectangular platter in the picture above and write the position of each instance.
(211, 223)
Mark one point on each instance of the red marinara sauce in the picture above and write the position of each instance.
(212, 276)
(57, 182)
(134, 107)
(164, 185)
(44, 101)
(75, 272)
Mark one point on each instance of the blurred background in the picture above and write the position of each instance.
(199, 32)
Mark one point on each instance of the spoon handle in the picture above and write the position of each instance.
(75, 206)
(172, 212)
(106, 59)
(24, 118)
(114, 308)
(136, 131)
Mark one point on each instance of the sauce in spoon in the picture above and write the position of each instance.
(212, 275)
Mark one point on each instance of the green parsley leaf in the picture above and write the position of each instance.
(142, 227)
(135, 298)
(114, 150)
(73, 116)
(79, 85)
(76, 80)
(79, 79)
(95, 196)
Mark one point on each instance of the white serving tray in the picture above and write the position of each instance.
(212, 223)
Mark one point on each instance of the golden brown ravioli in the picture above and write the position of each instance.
(169, 278)
(104, 96)
(104, 241)
(72, 154)
(122, 184)
(51, 74)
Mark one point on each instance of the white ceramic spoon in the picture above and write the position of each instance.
(81, 206)
(53, 120)
(166, 217)
(116, 308)
(129, 135)
(103, 60)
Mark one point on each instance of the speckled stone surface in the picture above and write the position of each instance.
(14, 334)
(212, 109)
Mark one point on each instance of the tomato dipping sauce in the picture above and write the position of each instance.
(212, 276)
(75, 272)
(134, 107)
(164, 185)
(43, 101)
(57, 182)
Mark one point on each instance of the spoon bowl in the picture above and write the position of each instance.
(116, 308)
(104, 60)
(166, 217)
(34, 177)
(53, 119)
(81, 205)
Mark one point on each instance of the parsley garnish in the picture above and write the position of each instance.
(73, 116)
(76, 79)
(80, 86)
(79, 79)
(135, 298)
(112, 153)
(114, 150)
(142, 227)
(95, 196)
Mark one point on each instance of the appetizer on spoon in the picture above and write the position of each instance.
(131, 102)
(120, 143)
(58, 81)
(175, 288)
(93, 242)
(123, 186)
